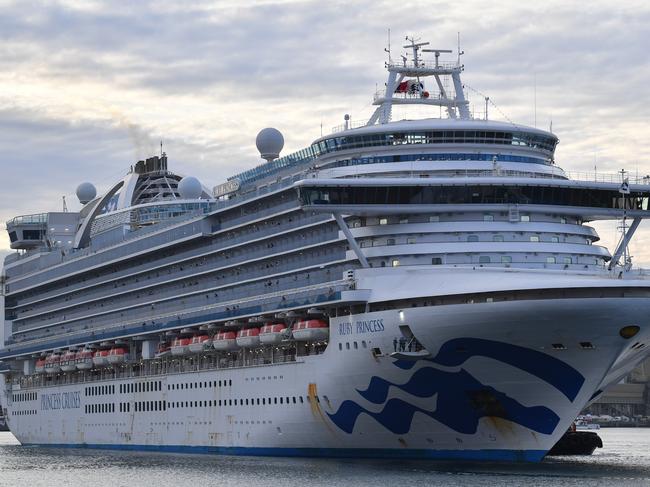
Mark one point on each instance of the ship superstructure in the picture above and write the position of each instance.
(413, 288)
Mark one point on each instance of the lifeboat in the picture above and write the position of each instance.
(200, 343)
(249, 337)
(68, 361)
(225, 340)
(84, 359)
(311, 330)
(118, 355)
(164, 349)
(180, 346)
(272, 334)
(100, 358)
(40, 366)
(53, 363)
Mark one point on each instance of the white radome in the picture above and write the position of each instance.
(190, 188)
(86, 192)
(270, 143)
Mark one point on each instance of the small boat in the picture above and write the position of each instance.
(118, 355)
(225, 340)
(53, 363)
(200, 343)
(40, 366)
(249, 337)
(582, 425)
(84, 359)
(68, 361)
(100, 358)
(272, 334)
(311, 330)
(164, 349)
(180, 346)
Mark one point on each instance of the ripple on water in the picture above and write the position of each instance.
(624, 460)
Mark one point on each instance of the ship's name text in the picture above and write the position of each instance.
(366, 326)
(61, 400)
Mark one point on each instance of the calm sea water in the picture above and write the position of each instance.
(624, 460)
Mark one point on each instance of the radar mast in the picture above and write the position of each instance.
(404, 85)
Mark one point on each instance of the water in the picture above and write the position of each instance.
(624, 460)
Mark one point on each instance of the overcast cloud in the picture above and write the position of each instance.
(89, 87)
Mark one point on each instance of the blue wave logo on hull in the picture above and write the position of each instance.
(462, 400)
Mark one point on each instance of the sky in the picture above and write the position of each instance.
(88, 87)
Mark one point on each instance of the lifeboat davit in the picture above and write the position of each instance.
(100, 358)
(180, 346)
(118, 355)
(311, 330)
(225, 340)
(84, 359)
(200, 343)
(40, 366)
(249, 337)
(68, 361)
(272, 334)
(53, 363)
(164, 349)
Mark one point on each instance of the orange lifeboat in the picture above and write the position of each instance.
(84, 359)
(68, 361)
(180, 346)
(200, 343)
(164, 349)
(311, 330)
(100, 358)
(118, 355)
(225, 340)
(40, 366)
(249, 337)
(53, 363)
(272, 334)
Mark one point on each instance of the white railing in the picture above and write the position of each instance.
(352, 124)
(423, 65)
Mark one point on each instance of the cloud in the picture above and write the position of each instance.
(87, 88)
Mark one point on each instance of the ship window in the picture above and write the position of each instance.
(434, 218)
(383, 221)
(562, 220)
(550, 260)
(13, 236)
(390, 241)
(567, 260)
(436, 261)
(395, 262)
(506, 259)
(488, 218)
(525, 218)
(472, 238)
(410, 240)
(555, 239)
(403, 220)
(484, 259)
(363, 344)
(497, 238)
(534, 238)
(347, 345)
(356, 346)
(340, 346)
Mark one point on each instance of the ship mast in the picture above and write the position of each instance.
(404, 81)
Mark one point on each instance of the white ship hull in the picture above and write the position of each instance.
(493, 387)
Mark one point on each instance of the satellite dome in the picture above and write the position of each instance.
(190, 188)
(86, 192)
(269, 142)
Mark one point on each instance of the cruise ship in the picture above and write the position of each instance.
(399, 288)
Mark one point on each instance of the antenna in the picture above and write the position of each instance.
(487, 101)
(388, 49)
(161, 149)
(65, 206)
(535, 97)
(460, 53)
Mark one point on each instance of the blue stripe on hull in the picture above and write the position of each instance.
(473, 455)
